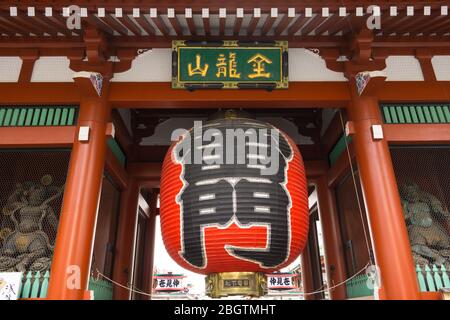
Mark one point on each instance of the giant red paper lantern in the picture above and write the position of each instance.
(234, 216)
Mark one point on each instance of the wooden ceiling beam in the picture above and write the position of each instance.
(406, 27)
(444, 29)
(283, 24)
(114, 24)
(20, 24)
(395, 43)
(143, 22)
(400, 24)
(265, 5)
(432, 28)
(5, 31)
(222, 24)
(30, 24)
(44, 25)
(396, 25)
(158, 21)
(313, 23)
(340, 25)
(294, 42)
(191, 26)
(161, 95)
(130, 24)
(237, 25)
(300, 22)
(300, 95)
(63, 45)
(252, 25)
(60, 21)
(55, 24)
(430, 24)
(391, 21)
(331, 21)
(98, 23)
(206, 26)
(268, 24)
(386, 19)
(10, 31)
(175, 23)
(49, 137)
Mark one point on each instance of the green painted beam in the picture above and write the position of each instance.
(117, 151)
(32, 116)
(338, 148)
(415, 113)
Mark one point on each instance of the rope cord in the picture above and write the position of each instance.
(135, 290)
(366, 238)
(337, 285)
(131, 289)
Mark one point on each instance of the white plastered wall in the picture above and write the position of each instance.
(52, 69)
(403, 68)
(441, 66)
(155, 66)
(10, 69)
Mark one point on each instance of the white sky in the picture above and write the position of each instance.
(164, 263)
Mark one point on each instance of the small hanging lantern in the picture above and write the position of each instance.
(234, 203)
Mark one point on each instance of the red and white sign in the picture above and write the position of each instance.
(10, 285)
(281, 281)
(170, 283)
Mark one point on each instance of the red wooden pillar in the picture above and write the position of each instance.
(150, 242)
(123, 259)
(70, 268)
(332, 241)
(388, 230)
(307, 277)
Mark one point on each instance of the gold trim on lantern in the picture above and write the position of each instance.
(236, 283)
(231, 114)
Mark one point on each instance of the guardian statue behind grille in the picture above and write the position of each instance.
(426, 218)
(27, 247)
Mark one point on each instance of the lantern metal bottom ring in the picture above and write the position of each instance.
(236, 283)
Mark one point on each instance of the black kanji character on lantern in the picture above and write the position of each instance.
(287, 281)
(162, 283)
(169, 283)
(176, 282)
(215, 192)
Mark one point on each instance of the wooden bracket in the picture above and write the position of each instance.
(29, 57)
(424, 56)
(330, 56)
(126, 57)
(361, 47)
(360, 55)
(99, 56)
